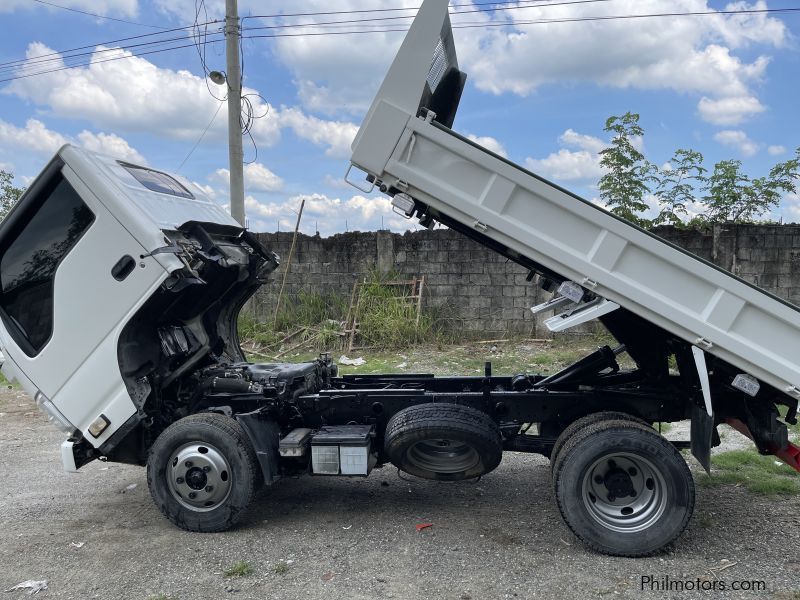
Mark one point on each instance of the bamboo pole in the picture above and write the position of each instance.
(288, 264)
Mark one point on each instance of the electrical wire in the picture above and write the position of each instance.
(455, 26)
(91, 14)
(385, 10)
(538, 4)
(248, 118)
(197, 36)
(469, 25)
(61, 53)
(25, 76)
(202, 135)
(93, 53)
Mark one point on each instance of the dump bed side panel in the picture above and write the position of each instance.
(681, 293)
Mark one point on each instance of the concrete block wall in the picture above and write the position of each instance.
(480, 291)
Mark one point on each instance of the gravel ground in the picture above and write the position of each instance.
(356, 538)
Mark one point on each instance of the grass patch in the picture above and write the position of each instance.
(756, 473)
(280, 568)
(238, 569)
(161, 596)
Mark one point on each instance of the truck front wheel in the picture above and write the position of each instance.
(623, 489)
(203, 472)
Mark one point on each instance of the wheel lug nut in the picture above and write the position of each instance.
(633, 494)
(598, 479)
(192, 495)
(209, 488)
(632, 472)
(179, 480)
(206, 469)
(611, 497)
(188, 464)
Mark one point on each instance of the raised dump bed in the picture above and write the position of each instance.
(405, 144)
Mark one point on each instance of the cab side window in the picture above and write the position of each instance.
(46, 227)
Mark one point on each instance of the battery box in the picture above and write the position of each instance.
(342, 450)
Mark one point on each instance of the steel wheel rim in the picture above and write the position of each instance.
(199, 476)
(443, 456)
(605, 483)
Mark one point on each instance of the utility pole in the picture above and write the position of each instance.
(235, 149)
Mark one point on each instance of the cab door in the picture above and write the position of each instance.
(70, 278)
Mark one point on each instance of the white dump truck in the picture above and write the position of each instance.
(120, 288)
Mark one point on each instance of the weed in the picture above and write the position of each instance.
(238, 569)
(705, 521)
(280, 568)
(759, 474)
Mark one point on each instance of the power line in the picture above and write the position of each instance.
(202, 135)
(106, 43)
(455, 26)
(468, 25)
(25, 76)
(56, 59)
(201, 6)
(538, 4)
(91, 14)
(381, 10)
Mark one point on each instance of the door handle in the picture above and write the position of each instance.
(123, 268)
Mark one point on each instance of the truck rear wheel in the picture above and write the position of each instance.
(203, 472)
(623, 489)
(578, 424)
(447, 442)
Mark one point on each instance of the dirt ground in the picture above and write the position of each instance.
(312, 538)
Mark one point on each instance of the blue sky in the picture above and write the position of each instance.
(726, 85)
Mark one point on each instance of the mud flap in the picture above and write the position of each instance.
(702, 436)
(264, 434)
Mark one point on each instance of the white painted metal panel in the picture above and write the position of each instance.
(648, 276)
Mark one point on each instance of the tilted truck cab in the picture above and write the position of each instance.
(120, 288)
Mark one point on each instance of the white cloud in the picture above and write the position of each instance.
(490, 144)
(336, 182)
(324, 214)
(127, 8)
(339, 74)
(675, 53)
(336, 135)
(688, 55)
(257, 178)
(34, 136)
(111, 144)
(585, 142)
(776, 150)
(136, 95)
(729, 111)
(582, 164)
(739, 140)
(790, 208)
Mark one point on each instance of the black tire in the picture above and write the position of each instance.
(445, 442)
(590, 474)
(217, 464)
(578, 424)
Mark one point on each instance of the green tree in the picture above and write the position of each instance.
(9, 194)
(677, 187)
(733, 196)
(626, 182)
